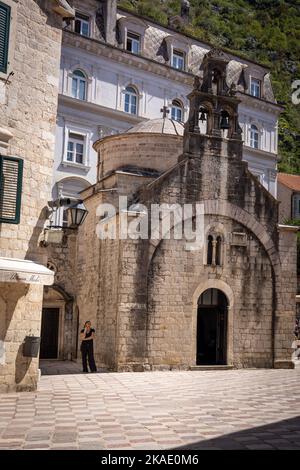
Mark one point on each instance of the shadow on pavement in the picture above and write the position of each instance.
(56, 367)
(281, 435)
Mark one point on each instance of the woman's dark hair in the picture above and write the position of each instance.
(88, 321)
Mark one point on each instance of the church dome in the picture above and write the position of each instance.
(151, 146)
(158, 126)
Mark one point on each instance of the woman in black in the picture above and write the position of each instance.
(87, 335)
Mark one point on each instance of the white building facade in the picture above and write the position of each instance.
(118, 69)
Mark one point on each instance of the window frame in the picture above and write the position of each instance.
(253, 141)
(255, 83)
(19, 188)
(4, 66)
(296, 206)
(131, 96)
(178, 54)
(79, 79)
(133, 40)
(84, 20)
(177, 106)
(75, 141)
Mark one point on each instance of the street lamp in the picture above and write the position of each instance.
(77, 213)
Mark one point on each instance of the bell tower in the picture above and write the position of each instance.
(213, 105)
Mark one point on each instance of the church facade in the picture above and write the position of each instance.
(157, 302)
(119, 69)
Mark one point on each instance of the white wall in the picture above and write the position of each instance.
(107, 81)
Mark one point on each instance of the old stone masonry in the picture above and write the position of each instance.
(159, 305)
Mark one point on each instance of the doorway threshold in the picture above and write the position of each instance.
(211, 367)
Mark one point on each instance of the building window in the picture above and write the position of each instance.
(11, 175)
(254, 137)
(79, 85)
(218, 251)
(176, 111)
(296, 206)
(131, 100)
(75, 150)
(133, 43)
(255, 88)
(4, 36)
(210, 249)
(82, 24)
(178, 61)
(214, 250)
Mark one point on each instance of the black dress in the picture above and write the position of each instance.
(87, 352)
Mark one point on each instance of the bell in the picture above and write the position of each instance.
(224, 124)
(202, 116)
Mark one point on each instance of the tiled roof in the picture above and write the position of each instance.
(290, 181)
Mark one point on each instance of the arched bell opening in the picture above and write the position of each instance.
(225, 124)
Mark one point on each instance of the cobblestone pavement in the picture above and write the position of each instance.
(235, 409)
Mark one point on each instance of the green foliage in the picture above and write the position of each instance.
(267, 31)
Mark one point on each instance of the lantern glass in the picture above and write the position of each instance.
(76, 215)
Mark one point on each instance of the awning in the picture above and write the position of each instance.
(25, 272)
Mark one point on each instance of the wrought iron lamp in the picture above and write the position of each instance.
(77, 213)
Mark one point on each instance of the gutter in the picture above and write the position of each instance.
(63, 9)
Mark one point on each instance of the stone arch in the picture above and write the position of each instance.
(229, 294)
(55, 296)
(226, 209)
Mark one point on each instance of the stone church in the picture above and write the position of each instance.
(157, 304)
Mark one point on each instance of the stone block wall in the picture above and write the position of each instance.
(20, 315)
(154, 151)
(28, 111)
(286, 289)
(167, 310)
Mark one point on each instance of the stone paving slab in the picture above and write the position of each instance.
(234, 409)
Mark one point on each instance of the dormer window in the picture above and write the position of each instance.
(178, 60)
(255, 89)
(82, 24)
(133, 43)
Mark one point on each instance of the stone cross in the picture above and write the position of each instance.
(165, 111)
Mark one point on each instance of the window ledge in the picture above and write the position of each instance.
(76, 165)
(5, 136)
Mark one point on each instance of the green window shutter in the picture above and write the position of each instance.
(11, 175)
(4, 35)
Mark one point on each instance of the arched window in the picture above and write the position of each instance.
(219, 251)
(177, 111)
(131, 100)
(79, 85)
(209, 249)
(254, 137)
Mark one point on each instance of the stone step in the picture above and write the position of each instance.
(212, 367)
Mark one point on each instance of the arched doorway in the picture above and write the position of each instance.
(57, 324)
(212, 328)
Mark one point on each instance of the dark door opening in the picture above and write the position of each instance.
(49, 333)
(212, 328)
